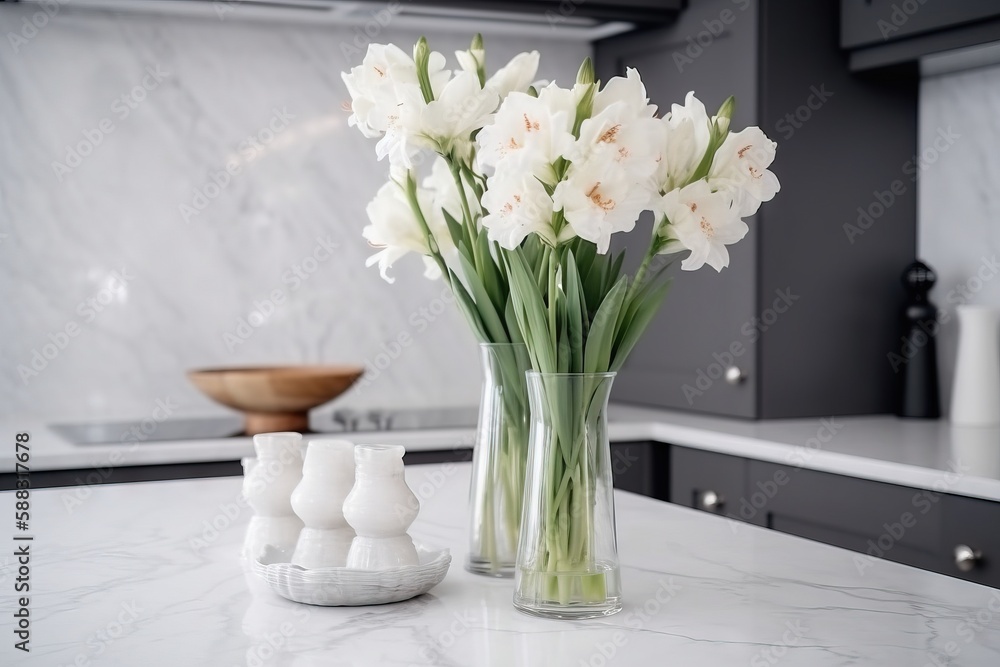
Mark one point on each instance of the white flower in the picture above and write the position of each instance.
(703, 221)
(445, 195)
(372, 86)
(598, 198)
(395, 229)
(621, 136)
(518, 205)
(741, 163)
(471, 60)
(461, 107)
(684, 143)
(515, 76)
(526, 135)
(386, 99)
(628, 89)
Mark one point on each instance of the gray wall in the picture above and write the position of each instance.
(959, 196)
(186, 284)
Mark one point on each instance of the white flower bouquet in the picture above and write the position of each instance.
(529, 183)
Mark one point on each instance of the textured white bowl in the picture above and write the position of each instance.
(343, 587)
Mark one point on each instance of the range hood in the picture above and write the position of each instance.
(551, 19)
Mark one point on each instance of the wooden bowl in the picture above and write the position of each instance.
(276, 398)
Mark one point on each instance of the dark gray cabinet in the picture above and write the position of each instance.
(879, 33)
(552, 11)
(874, 519)
(638, 467)
(953, 535)
(974, 524)
(803, 319)
(706, 481)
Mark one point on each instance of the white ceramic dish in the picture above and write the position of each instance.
(343, 587)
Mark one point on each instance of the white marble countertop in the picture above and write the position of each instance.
(149, 574)
(920, 454)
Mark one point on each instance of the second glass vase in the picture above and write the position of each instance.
(499, 460)
(567, 560)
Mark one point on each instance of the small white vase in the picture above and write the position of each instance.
(380, 508)
(975, 399)
(268, 483)
(327, 479)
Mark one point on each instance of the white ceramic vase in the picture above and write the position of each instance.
(327, 479)
(380, 508)
(975, 399)
(268, 483)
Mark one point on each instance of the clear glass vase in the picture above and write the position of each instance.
(499, 460)
(567, 559)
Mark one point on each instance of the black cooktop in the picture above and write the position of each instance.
(210, 428)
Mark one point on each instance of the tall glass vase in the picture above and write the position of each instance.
(567, 559)
(499, 460)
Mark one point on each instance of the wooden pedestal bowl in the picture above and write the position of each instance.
(275, 398)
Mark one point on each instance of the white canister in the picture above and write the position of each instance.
(270, 482)
(327, 479)
(380, 508)
(975, 398)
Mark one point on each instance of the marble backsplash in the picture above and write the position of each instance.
(959, 197)
(128, 254)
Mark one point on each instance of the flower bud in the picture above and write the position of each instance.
(586, 73)
(725, 116)
(477, 44)
(421, 58)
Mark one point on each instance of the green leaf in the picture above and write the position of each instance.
(492, 323)
(468, 307)
(647, 304)
(597, 358)
(614, 271)
(575, 310)
(493, 280)
(585, 253)
(513, 322)
(454, 227)
(528, 298)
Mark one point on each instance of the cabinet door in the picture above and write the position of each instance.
(682, 359)
(869, 22)
(640, 467)
(880, 520)
(705, 480)
(973, 523)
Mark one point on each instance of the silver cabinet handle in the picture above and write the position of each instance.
(967, 558)
(711, 501)
(734, 375)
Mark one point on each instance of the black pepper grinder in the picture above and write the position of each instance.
(920, 397)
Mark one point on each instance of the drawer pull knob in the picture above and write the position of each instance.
(711, 501)
(966, 558)
(734, 375)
